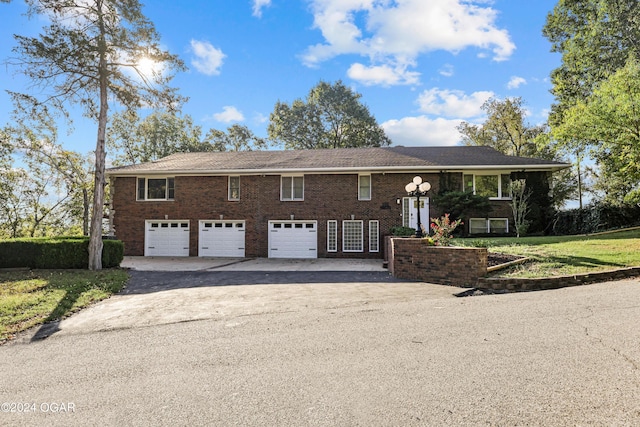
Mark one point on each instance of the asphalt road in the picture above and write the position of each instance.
(391, 353)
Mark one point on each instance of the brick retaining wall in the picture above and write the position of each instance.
(544, 283)
(411, 258)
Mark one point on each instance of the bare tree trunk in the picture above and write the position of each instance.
(95, 238)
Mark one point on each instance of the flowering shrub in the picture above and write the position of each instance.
(442, 230)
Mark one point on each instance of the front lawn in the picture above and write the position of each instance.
(31, 298)
(565, 255)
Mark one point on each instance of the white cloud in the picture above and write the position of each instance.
(452, 103)
(516, 82)
(423, 131)
(258, 5)
(397, 32)
(208, 59)
(383, 75)
(446, 70)
(229, 114)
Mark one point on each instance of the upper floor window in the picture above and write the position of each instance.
(292, 188)
(494, 186)
(364, 187)
(234, 188)
(156, 188)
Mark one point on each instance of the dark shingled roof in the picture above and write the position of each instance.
(341, 159)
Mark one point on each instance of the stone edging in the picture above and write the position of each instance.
(544, 283)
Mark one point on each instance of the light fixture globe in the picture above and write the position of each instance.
(424, 187)
(417, 180)
(410, 187)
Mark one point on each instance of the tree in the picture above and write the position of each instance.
(608, 123)
(332, 116)
(139, 140)
(505, 128)
(90, 54)
(595, 38)
(237, 138)
(520, 205)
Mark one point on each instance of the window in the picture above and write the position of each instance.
(332, 236)
(234, 188)
(374, 239)
(292, 188)
(156, 189)
(488, 226)
(494, 186)
(364, 187)
(352, 236)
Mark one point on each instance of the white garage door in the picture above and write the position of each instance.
(293, 239)
(166, 238)
(221, 239)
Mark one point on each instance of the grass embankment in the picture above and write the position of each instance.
(565, 255)
(31, 298)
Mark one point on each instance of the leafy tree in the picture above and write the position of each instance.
(90, 54)
(161, 133)
(331, 116)
(595, 38)
(507, 131)
(236, 138)
(505, 128)
(36, 138)
(608, 122)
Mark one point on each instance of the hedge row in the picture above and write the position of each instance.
(65, 252)
(595, 218)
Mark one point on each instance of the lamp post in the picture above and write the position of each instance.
(417, 189)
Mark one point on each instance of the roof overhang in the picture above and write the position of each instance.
(386, 169)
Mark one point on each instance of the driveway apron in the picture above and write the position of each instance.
(163, 297)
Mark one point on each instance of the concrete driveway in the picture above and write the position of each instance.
(405, 355)
(249, 264)
(164, 290)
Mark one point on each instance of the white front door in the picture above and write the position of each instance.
(293, 239)
(410, 213)
(221, 239)
(166, 238)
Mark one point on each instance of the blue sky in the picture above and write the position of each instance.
(422, 66)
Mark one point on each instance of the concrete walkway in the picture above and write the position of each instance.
(248, 264)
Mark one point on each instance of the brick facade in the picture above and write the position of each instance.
(326, 197)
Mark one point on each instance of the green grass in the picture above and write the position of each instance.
(565, 255)
(31, 298)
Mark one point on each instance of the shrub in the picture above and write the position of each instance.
(403, 231)
(442, 230)
(56, 253)
(596, 217)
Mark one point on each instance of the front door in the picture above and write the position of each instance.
(410, 213)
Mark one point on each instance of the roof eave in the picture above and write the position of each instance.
(379, 169)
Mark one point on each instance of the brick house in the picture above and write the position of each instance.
(303, 203)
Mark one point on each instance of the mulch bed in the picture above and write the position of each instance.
(495, 258)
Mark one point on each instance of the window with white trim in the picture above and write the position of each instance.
(234, 188)
(494, 186)
(352, 236)
(332, 236)
(155, 188)
(374, 236)
(364, 187)
(488, 226)
(292, 188)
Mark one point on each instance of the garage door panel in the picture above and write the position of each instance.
(288, 239)
(166, 238)
(222, 239)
